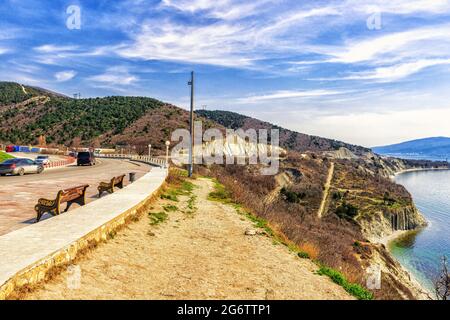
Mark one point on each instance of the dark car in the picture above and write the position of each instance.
(85, 158)
(20, 167)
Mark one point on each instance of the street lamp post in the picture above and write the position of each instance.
(167, 153)
(191, 127)
(149, 150)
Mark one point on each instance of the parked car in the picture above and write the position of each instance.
(85, 158)
(44, 160)
(20, 166)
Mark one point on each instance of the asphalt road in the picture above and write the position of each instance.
(18, 195)
(103, 165)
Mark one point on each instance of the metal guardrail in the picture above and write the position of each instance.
(146, 159)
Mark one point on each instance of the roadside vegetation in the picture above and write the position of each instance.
(177, 185)
(4, 156)
(354, 289)
(303, 251)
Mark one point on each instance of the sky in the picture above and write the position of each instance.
(366, 72)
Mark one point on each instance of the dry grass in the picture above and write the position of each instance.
(310, 249)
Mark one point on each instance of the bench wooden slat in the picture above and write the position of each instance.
(111, 185)
(69, 196)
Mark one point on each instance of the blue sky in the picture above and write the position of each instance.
(367, 72)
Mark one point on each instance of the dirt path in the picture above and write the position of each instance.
(326, 191)
(200, 255)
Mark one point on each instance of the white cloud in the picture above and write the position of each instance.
(288, 94)
(396, 72)
(115, 76)
(3, 50)
(396, 46)
(216, 44)
(220, 9)
(50, 48)
(223, 43)
(399, 6)
(65, 75)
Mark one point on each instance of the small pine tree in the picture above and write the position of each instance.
(442, 284)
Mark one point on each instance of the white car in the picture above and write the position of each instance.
(43, 160)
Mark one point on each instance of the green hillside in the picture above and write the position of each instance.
(13, 93)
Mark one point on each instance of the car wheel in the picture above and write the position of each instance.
(21, 172)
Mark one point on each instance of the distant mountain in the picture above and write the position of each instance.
(288, 139)
(428, 148)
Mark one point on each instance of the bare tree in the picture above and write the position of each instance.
(442, 284)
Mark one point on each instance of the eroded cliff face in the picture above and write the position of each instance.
(396, 282)
(385, 222)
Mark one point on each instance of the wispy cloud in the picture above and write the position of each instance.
(51, 48)
(399, 6)
(396, 72)
(396, 46)
(65, 75)
(115, 76)
(220, 9)
(287, 94)
(4, 50)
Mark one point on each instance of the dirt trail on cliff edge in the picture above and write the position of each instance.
(200, 255)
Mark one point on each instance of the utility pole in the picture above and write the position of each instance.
(191, 127)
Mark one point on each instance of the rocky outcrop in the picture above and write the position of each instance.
(384, 223)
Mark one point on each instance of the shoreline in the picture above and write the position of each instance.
(422, 290)
(418, 169)
(386, 240)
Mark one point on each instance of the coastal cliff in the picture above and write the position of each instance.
(387, 221)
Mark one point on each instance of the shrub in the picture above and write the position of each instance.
(354, 289)
(220, 193)
(310, 249)
(157, 217)
(292, 196)
(346, 210)
(303, 255)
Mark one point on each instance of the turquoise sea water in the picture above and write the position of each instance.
(421, 252)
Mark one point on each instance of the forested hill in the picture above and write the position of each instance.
(11, 92)
(288, 139)
(28, 112)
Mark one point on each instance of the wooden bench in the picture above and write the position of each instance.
(110, 186)
(69, 196)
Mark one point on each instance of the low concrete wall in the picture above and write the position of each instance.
(161, 162)
(27, 254)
